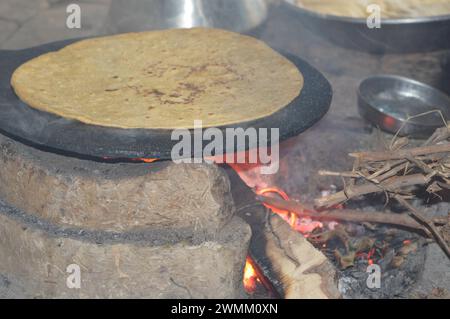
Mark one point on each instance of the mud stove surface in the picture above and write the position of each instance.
(135, 229)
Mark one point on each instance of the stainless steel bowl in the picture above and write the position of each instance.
(395, 35)
(388, 101)
(139, 15)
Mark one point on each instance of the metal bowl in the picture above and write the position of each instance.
(140, 15)
(389, 102)
(395, 35)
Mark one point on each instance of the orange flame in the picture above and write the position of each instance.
(250, 276)
(147, 160)
(303, 225)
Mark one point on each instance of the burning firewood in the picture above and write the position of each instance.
(304, 271)
(348, 214)
(397, 173)
(347, 259)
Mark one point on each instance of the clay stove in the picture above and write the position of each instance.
(156, 230)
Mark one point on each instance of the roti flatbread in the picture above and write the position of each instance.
(160, 80)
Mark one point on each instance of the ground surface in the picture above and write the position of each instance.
(25, 23)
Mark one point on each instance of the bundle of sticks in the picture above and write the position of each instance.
(398, 172)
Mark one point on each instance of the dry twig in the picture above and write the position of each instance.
(397, 172)
(427, 223)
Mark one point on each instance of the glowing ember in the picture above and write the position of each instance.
(146, 160)
(370, 255)
(250, 277)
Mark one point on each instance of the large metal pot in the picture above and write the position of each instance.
(139, 15)
(408, 35)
